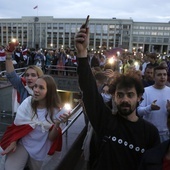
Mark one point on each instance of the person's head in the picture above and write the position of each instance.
(135, 72)
(101, 79)
(164, 64)
(148, 73)
(31, 75)
(45, 94)
(127, 91)
(160, 76)
(105, 93)
(152, 57)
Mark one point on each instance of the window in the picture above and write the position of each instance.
(153, 33)
(166, 40)
(135, 32)
(141, 39)
(167, 28)
(105, 28)
(154, 28)
(166, 33)
(148, 28)
(142, 27)
(67, 27)
(160, 28)
(98, 28)
(141, 33)
(153, 40)
(160, 33)
(135, 39)
(147, 39)
(135, 27)
(147, 33)
(159, 40)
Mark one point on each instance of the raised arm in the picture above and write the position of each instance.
(93, 102)
(9, 63)
(81, 42)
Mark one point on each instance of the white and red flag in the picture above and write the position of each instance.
(2, 55)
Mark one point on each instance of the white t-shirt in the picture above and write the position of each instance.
(36, 142)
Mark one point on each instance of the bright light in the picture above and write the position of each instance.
(136, 63)
(14, 40)
(111, 60)
(67, 106)
(118, 53)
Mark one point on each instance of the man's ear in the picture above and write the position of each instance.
(140, 98)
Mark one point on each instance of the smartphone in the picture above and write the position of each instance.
(65, 110)
(12, 45)
(87, 22)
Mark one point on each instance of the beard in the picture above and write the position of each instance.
(125, 109)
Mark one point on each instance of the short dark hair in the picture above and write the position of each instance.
(101, 77)
(127, 81)
(149, 66)
(160, 67)
(152, 55)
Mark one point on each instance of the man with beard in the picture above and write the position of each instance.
(148, 76)
(122, 138)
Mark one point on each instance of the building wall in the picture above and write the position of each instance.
(49, 32)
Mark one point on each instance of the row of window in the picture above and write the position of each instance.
(166, 28)
(151, 39)
(151, 33)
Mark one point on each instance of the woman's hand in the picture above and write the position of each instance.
(64, 117)
(11, 148)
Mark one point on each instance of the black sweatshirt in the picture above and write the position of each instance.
(121, 143)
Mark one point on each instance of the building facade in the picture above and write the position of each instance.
(49, 32)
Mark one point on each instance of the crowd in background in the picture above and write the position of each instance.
(61, 58)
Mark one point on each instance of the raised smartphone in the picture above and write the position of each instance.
(12, 45)
(65, 110)
(87, 22)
